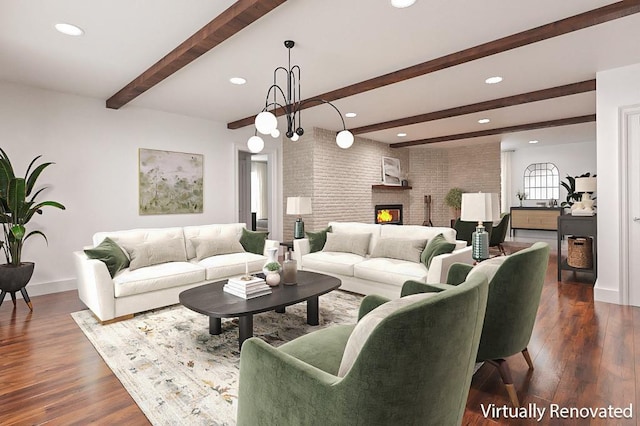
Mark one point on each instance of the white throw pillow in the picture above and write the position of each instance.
(399, 248)
(211, 247)
(347, 243)
(368, 323)
(156, 252)
(488, 267)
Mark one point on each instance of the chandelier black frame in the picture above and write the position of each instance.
(266, 122)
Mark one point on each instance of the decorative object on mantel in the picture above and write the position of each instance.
(15, 212)
(266, 122)
(170, 182)
(585, 186)
(480, 207)
(572, 195)
(298, 206)
(391, 173)
(521, 196)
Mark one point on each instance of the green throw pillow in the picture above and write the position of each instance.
(317, 239)
(438, 245)
(253, 242)
(109, 252)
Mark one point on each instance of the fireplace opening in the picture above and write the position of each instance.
(388, 214)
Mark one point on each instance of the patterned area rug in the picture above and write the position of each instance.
(178, 373)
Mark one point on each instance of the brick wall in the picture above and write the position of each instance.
(339, 181)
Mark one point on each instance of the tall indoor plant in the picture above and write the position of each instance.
(453, 199)
(18, 205)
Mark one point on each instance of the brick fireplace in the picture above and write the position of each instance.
(388, 214)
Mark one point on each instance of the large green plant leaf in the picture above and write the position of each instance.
(32, 233)
(31, 179)
(16, 198)
(37, 209)
(18, 232)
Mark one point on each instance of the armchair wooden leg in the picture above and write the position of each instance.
(505, 373)
(527, 358)
(501, 247)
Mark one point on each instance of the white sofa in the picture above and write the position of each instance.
(379, 275)
(155, 286)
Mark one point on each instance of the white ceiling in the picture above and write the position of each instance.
(337, 43)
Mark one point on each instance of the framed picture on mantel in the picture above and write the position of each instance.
(391, 174)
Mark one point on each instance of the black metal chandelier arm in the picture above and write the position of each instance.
(322, 101)
(275, 88)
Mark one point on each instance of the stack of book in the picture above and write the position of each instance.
(247, 287)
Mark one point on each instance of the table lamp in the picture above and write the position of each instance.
(585, 185)
(480, 207)
(298, 206)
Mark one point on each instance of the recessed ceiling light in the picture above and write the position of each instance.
(401, 4)
(493, 80)
(350, 114)
(534, 141)
(484, 121)
(237, 80)
(402, 135)
(69, 29)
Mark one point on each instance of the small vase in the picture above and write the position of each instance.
(273, 279)
(289, 270)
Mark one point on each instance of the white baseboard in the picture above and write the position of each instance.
(48, 288)
(607, 295)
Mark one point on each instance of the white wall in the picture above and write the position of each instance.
(572, 159)
(615, 88)
(96, 172)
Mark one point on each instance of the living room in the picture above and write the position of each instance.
(96, 149)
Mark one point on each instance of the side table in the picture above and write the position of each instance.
(287, 244)
(579, 226)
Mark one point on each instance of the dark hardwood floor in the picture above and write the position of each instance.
(585, 355)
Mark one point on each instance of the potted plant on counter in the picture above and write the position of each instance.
(18, 205)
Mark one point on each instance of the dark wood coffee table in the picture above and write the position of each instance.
(211, 300)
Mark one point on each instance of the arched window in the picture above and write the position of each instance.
(541, 181)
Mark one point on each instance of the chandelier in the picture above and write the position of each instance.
(266, 121)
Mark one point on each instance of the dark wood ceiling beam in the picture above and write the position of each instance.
(499, 131)
(237, 17)
(523, 98)
(544, 32)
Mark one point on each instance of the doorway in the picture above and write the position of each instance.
(254, 191)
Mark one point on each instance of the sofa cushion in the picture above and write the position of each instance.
(367, 325)
(358, 228)
(157, 277)
(156, 252)
(253, 242)
(331, 262)
(347, 243)
(438, 245)
(111, 254)
(317, 239)
(399, 248)
(207, 248)
(417, 232)
(390, 271)
(488, 267)
(228, 265)
(210, 232)
(130, 238)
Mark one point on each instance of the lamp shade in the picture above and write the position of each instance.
(586, 184)
(298, 205)
(480, 207)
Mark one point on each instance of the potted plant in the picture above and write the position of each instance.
(453, 199)
(18, 205)
(521, 195)
(272, 271)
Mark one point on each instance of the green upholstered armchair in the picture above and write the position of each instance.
(414, 368)
(514, 296)
(465, 230)
(499, 233)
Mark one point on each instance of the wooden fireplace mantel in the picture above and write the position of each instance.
(393, 187)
